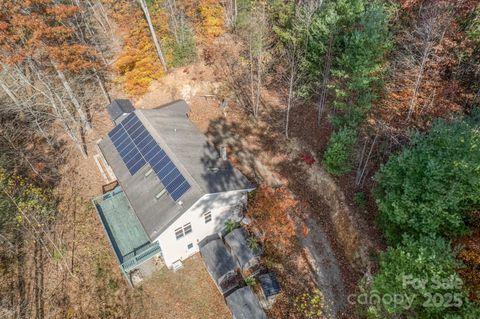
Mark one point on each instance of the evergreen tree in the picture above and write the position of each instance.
(431, 187)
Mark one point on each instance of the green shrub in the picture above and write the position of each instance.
(253, 243)
(250, 281)
(431, 187)
(418, 279)
(310, 305)
(230, 225)
(337, 158)
(360, 200)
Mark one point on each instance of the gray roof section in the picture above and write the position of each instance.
(237, 241)
(219, 262)
(119, 107)
(187, 147)
(244, 305)
(192, 149)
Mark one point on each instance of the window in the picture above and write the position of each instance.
(208, 217)
(187, 228)
(179, 233)
(183, 231)
(190, 246)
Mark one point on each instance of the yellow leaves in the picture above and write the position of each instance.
(138, 68)
(212, 18)
(138, 63)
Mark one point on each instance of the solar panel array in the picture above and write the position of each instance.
(137, 147)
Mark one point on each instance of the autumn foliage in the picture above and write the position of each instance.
(470, 256)
(270, 211)
(40, 30)
(137, 64)
(424, 82)
(212, 18)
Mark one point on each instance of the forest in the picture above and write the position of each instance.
(358, 121)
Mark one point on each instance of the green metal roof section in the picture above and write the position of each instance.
(125, 232)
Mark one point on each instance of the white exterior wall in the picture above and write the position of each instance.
(222, 207)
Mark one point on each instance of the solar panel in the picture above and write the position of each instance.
(137, 147)
(182, 189)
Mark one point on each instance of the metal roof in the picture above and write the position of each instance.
(244, 304)
(269, 284)
(237, 241)
(219, 262)
(125, 233)
(191, 153)
(118, 108)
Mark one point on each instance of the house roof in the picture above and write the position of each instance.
(217, 259)
(237, 241)
(244, 305)
(118, 108)
(195, 158)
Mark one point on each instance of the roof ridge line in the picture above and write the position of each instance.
(164, 146)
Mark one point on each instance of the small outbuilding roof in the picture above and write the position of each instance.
(244, 305)
(245, 256)
(269, 284)
(219, 262)
(118, 108)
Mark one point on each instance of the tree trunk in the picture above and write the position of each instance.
(172, 6)
(83, 117)
(102, 87)
(259, 85)
(325, 80)
(144, 7)
(290, 93)
(252, 93)
(362, 174)
(418, 81)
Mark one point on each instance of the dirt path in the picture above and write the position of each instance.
(328, 274)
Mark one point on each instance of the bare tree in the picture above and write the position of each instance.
(433, 20)
(325, 80)
(255, 33)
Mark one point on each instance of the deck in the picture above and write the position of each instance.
(125, 232)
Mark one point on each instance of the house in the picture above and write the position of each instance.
(220, 265)
(247, 258)
(244, 305)
(174, 187)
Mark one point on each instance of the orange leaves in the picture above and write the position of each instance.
(41, 30)
(73, 57)
(423, 84)
(61, 12)
(270, 211)
(470, 256)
